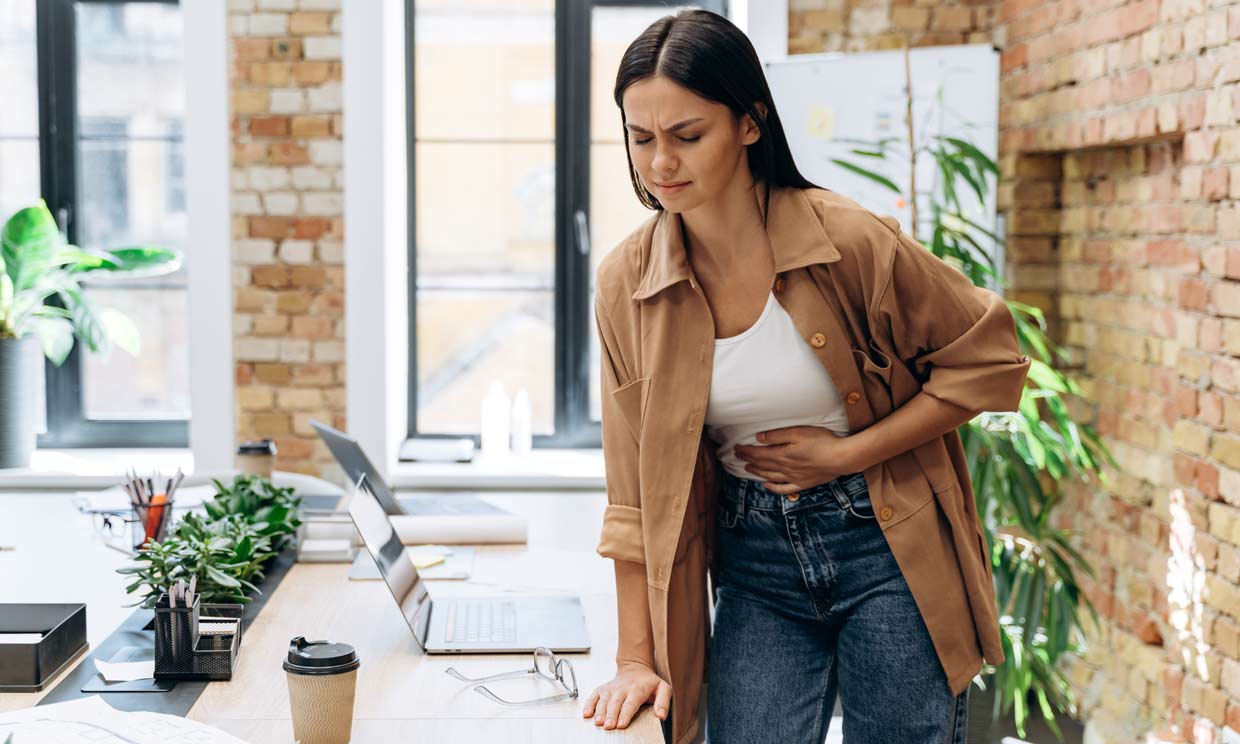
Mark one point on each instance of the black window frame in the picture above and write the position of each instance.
(573, 327)
(67, 424)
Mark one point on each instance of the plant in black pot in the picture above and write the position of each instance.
(43, 304)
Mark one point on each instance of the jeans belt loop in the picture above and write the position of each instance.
(840, 496)
(742, 497)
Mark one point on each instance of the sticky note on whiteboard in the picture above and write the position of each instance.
(820, 122)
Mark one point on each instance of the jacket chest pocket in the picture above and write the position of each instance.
(876, 369)
(630, 399)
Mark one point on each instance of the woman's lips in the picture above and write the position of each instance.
(673, 189)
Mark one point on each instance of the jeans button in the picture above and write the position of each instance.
(794, 496)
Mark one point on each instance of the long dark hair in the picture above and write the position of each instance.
(707, 54)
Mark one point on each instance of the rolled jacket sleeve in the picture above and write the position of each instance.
(958, 339)
(621, 536)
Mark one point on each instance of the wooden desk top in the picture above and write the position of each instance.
(403, 694)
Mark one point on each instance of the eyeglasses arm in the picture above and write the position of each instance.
(451, 671)
(552, 699)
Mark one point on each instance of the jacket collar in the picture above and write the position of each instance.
(794, 229)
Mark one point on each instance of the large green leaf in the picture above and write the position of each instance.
(55, 335)
(133, 262)
(29, 242)
(121, 331)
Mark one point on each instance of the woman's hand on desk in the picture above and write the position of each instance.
(614, 704)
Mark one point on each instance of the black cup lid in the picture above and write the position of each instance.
(260, 447)
(319, 657)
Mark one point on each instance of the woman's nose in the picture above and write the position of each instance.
(663, 162)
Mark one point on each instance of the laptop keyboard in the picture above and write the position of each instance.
(481, 621)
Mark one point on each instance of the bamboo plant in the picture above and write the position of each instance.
(1019, 460)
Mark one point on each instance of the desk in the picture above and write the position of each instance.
(402, 694)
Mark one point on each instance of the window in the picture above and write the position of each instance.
(510, 111)
(111, 101)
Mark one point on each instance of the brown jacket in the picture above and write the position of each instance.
(887, 319)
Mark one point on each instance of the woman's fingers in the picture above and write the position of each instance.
(629, 709)
(662, 700)
(600, 710)
(613, 709)
(588, 709)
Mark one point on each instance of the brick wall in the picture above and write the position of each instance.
(1119, 149)
(860, 25)
(287, 202)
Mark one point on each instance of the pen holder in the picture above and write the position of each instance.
(183, 652)
(149, 523)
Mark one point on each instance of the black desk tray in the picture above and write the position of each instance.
(27, 667)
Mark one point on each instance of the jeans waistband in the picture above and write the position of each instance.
(751, 494)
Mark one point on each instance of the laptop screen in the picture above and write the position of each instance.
(394, 562)
(355, 463)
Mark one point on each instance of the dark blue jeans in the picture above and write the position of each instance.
(811, 602)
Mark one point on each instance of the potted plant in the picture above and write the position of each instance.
(226, 548)
(1017, 460)
(38, 265)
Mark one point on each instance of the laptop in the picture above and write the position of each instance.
(463, 625)
(355, 463)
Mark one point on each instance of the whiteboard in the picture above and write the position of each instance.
(824, 97)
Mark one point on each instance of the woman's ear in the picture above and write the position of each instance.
(752, 133)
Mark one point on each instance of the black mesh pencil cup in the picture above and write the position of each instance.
(183, 651)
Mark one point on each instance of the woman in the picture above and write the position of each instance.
(756, 428)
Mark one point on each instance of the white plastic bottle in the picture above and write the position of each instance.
(522, 437)
(495, 422)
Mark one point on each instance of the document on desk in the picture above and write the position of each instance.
(125, 671)
(92, 721)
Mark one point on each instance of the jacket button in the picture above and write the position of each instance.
(779, 284)
(885, 513)
(853, 397)
(818, 340)
(794, 496)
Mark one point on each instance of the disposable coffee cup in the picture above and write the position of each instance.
(322, 678)
(256, 458)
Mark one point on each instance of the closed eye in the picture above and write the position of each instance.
(682, 139)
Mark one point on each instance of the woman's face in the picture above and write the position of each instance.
(686, 150)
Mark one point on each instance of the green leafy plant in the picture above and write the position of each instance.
(1018, 460)
(243, 527)
(37, 264)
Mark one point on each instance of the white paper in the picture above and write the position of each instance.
(92, 721)
(125, 671)
(469, 530)
(20, 637)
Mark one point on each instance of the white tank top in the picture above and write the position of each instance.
(767, 377)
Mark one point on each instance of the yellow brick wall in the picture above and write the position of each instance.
(861, 25)
(287, 204)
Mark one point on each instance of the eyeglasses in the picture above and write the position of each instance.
(546, 665)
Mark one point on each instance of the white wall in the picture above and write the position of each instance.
(765, 22)
(375, 228)
(208, 241)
